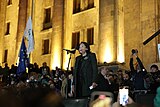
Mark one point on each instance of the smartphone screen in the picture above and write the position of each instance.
(123, 93)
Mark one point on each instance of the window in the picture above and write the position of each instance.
(7, 28)
(5, 55)
(90, 4)
(9, 2)
(75, 39)
(76, 6)
(45, 48)
(47, 19)
(90, 36)
(47, 15)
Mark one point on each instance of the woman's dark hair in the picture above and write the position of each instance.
(154, 66)
(87, 46)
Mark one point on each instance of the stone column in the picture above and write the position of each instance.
(67, 30)
(2, 28)
(119, 33)
(106, 31)
(57, 34)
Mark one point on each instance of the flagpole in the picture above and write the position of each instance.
(32, 9)
(32, 13)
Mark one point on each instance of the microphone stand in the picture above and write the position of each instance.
(68, 52)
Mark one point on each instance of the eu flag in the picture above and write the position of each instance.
(23, 59)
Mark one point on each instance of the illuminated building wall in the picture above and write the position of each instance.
(57, 34)
(2, 19)
(67, 31)
(8, 30)
(118, 26)
(140, 22)
(120, 30)
(107, 49)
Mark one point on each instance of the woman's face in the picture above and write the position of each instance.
(82, 49)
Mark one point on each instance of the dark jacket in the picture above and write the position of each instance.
(103, 84)
(85, 72)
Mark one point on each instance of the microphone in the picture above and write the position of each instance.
(70, 51)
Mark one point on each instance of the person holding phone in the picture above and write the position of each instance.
(123, 96)
(138, 72)
(123, 99)
(85, 72)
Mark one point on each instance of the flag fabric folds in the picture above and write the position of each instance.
(29, 35)
(23, 59)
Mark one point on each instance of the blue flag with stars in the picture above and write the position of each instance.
(23, 59)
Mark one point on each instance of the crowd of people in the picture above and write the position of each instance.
(61, 81)
(35, 77)
(84, 78)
